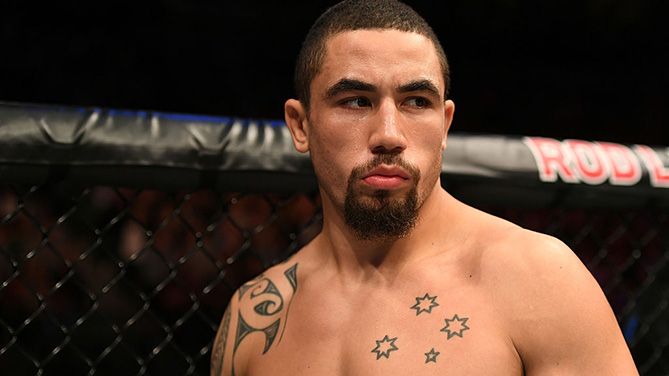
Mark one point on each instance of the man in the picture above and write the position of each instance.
(404, 279)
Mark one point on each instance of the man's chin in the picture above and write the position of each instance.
(381, 216)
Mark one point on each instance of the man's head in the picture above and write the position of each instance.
(358, 15)
(377, 115)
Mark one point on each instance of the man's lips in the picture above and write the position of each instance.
(386, 177)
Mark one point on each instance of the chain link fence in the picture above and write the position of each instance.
(120, 281)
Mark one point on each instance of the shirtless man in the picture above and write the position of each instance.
(404, 279)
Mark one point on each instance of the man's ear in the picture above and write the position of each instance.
(449, 109)
(296, 119)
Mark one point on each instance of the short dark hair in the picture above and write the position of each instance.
(359, 15)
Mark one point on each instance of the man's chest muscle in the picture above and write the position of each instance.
(431, 332)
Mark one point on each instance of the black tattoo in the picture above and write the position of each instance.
(425, 304)
(270, 306)
(431, 356)
(263, 309)
(455, 326)
(244, 329)
(245, 287)
(384, 347)
(291, 275)
(220, 342)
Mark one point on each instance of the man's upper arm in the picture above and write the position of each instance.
(254, 320)
(221, 351)
(562, 322)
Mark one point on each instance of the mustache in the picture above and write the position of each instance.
(388, 159)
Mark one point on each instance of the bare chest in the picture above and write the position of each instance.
(419, 329)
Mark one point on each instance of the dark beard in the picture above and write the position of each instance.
(380, 217)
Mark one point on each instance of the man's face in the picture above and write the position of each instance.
(377, 127)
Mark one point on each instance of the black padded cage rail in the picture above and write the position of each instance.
(124, 233)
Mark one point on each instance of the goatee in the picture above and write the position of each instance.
(381, 216)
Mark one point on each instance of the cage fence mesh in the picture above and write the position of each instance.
(110, 280)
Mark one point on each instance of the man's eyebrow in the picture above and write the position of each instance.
(347, 84)
(419, 85)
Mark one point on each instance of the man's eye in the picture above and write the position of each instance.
(357, 102)
(418, 102)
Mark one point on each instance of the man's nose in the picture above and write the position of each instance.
(387, 134)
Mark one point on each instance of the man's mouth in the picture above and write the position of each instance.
(386, 177)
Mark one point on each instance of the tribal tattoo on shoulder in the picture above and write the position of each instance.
(220, 344)
(262, 307)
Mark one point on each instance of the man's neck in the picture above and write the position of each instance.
(385, 257)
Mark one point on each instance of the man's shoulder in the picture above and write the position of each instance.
(503, 253)
(540, 289)
(526, 260)
(520, 248)
(518, 265)
(255, 318)
(500, 245)
(280, 279)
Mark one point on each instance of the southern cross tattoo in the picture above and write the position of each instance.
(431, 356)
(455, 326)
(384, 347)
(425, 304)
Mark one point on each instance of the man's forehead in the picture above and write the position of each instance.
(361, 54)
(378, 40)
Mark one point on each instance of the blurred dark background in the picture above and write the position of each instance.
(589, 69)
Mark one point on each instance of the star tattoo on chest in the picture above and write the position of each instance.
(384, 347)
(425, 304)
(431, 356)
(455, 326)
